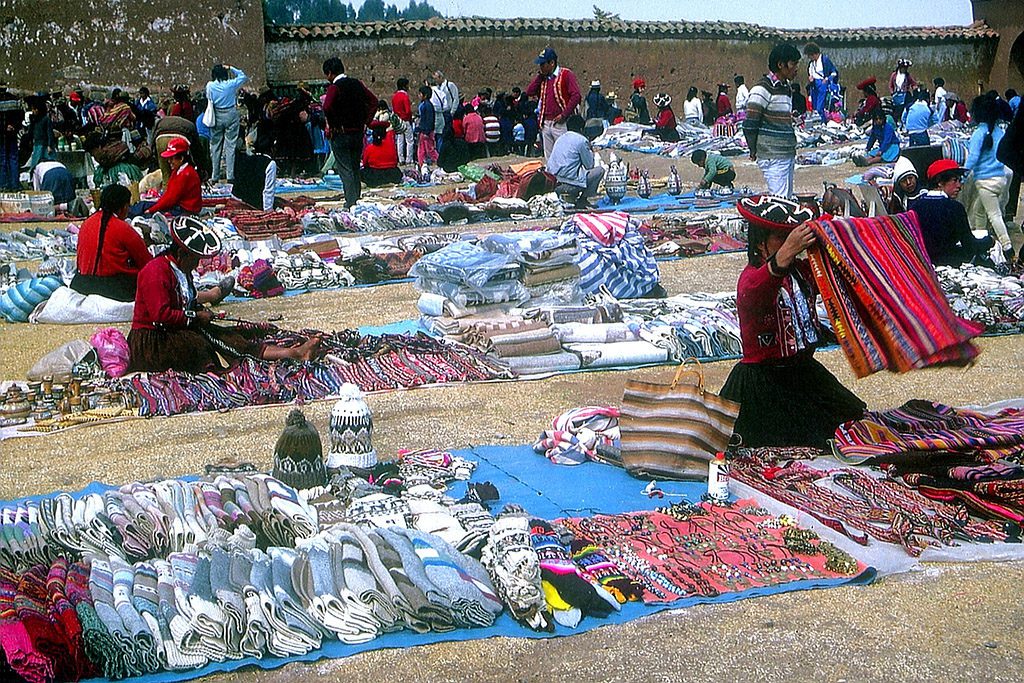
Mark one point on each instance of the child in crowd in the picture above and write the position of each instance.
(519, 136)
(492, 131)
(427, 150)
(717, 169)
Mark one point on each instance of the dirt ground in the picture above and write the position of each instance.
(946, 622)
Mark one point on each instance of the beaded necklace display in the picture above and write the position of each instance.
(707, 550)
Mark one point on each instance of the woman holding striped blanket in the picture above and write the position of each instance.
(786, 397)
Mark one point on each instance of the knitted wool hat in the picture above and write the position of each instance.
(351, 431)
(298, 455)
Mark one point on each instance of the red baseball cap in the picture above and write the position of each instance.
(175, 147)
(939, 167)
(75, 97)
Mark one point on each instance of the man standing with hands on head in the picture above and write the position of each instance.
(348, 107)
(559, 95)
(768, 127)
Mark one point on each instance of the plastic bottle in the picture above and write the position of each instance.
(718, 479)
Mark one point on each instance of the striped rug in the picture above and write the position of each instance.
(884, 299)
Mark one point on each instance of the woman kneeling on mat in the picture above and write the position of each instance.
(786, 397)
(172, 331)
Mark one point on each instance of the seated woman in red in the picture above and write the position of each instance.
(786, 397)
(172, 331)
(110, 252)
(380, 157)
(184, 193)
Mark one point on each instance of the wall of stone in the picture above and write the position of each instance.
(50, 44)
(668, 65)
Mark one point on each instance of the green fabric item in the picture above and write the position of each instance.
(108, 176)
(475, 173)
(714, 165)
(100, 648)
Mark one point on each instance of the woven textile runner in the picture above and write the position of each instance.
(918, 426)
(883, 296)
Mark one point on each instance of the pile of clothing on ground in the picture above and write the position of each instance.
(371, 362)
(36, 243)
(177, 574)
(694, 234)
(984, 296)
(635, 137)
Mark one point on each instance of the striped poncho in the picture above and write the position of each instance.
(883, 296)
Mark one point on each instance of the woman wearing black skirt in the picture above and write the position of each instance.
(786, 397)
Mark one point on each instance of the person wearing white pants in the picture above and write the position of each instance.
(987, 209)
(778, 175)
(768, 126)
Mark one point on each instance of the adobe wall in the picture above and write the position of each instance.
(669, 65)
(1006, 17)
(49, 44)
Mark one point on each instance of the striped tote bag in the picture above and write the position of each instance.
(672, 431)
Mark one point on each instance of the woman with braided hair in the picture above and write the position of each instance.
(110, 252)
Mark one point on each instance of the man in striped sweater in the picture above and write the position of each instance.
(768, 127)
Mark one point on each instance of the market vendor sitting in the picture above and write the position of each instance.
(380, 157)
(172, 331)
(572, 163)
(717, 169)
(184, 193)
(944, 226)
(883, 134)
(110, 252)
(786, 397)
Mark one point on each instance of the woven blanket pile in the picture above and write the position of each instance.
(882, 295)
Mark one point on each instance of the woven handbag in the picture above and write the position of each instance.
(672, 431)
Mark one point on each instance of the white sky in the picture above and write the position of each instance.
(778, 13)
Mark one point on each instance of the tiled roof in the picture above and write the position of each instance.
(649, 29)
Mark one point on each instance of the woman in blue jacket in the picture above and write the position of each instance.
(989, 173)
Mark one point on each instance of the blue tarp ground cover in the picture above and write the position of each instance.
(545, 490)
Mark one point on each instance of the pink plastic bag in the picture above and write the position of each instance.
(112, 350)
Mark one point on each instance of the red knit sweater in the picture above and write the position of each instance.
(124, 252)
(184, 190)
(158, 300)
(766, 327)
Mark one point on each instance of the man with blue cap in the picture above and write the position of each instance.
(559, 95)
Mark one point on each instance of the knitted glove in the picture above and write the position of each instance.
(515, 569)
(558, 569)
(594, 563)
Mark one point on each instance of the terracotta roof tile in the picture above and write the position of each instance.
(567, 27)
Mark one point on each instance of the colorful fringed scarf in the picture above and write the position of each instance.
(883, 296)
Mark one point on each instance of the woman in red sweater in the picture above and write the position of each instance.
(170, 328)
(380, 157)
(665, 123)
(110, 252)
(184, 193)
(786, 397)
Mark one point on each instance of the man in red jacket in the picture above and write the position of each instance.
(348, 107)
(559, 95)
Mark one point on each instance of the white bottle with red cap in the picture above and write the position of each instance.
(718, 479)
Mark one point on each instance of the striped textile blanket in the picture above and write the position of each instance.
(883, 296)
(613, 254)
(922, 426)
